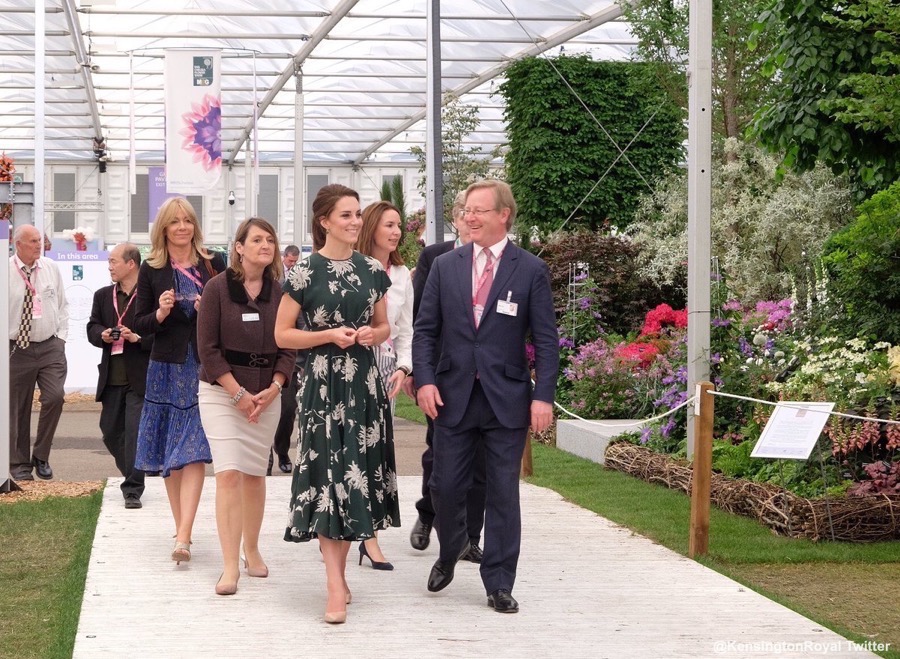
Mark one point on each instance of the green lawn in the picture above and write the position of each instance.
(407, 409)
(46, 546)
(846, 587)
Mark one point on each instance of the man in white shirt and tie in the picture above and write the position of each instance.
(38, 327)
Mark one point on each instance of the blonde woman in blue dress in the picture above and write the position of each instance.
(344, 485)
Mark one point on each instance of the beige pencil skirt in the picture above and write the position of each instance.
(234, 442)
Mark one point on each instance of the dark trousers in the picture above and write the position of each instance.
(44, 364)
(285, 429)
(120, 416)
(454, 455)
(474, 499)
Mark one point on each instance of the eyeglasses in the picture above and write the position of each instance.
(477, 212)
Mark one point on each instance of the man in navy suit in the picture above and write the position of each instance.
(420, 536)
(480, 303)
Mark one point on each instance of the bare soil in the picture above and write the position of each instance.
(37, 490)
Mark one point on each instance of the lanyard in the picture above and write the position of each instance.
(488, 269)
(120, 316)
(27, 280)
(188, 274)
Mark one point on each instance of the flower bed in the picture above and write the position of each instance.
(850, 519)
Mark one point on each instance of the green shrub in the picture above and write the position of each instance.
(863, 261)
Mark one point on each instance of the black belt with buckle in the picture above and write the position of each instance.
(250, 359)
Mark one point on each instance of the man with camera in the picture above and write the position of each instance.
(123, 366)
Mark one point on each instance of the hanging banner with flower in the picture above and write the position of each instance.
(193, 121)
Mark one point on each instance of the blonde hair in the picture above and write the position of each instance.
(273, 269)
(503, 196)
(159, 251)
(371, 217)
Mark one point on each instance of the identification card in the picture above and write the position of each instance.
(37, 307)
(507, 308)
(249, 317)
(118, 347)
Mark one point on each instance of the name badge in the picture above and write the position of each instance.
(118, 347)
(249, 317)
(507, 308)
(37, 306)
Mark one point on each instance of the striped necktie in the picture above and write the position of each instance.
(23, 338)
(481, 295)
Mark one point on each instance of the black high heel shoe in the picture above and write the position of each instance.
(376, 565)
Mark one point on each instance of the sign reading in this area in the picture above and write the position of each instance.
(792, 430)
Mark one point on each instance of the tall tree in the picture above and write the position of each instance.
(661, 27)
(834, 94)
(462, 164)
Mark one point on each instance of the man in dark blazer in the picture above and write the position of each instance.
(123, 366)
(480, 303)
(420, 536)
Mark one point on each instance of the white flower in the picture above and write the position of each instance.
(374, 264)
(357, 479)
(320, 366)
(341, 268)
(298, 276)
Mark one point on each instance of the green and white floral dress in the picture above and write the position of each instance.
(345, 479)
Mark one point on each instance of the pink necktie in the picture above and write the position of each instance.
(484, 286)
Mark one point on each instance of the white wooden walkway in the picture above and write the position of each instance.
(586, 588)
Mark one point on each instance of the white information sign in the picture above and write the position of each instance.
(83, 273)
(792, 430)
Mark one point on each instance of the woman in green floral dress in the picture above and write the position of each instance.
(345, 483)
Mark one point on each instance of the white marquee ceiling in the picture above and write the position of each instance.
(362, 61)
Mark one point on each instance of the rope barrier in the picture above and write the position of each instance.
(802, 406)
(798, 406)
(633, 423)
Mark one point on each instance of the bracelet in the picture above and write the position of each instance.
(278, 384)
(238, 396)
(405, 370)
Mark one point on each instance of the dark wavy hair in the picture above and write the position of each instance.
(322, 206)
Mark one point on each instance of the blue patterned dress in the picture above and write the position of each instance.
(170, 435)
(345, 482)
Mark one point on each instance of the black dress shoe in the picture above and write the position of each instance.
(420, 536)
(502, 601)
(284, 463)
(442, 572)
(473, 553)
(133, 501)
(441, 576)
(23, 475)
(42, 468)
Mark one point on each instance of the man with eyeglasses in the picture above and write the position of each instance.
(480, 303)
(420, 536)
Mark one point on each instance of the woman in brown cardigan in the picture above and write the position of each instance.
(242, 372)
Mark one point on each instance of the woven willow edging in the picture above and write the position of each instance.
(853, 519)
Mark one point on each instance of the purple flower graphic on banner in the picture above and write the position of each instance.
(202, 132)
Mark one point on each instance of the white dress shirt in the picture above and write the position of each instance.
(399, 313)
(48, 283)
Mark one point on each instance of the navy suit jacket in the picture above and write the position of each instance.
(448, 350)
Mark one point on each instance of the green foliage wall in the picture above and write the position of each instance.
(557, 152)
(863, 260)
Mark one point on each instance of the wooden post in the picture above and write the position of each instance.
(527, 465)
(700, 482)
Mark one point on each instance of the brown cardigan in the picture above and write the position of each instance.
(237, 334)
